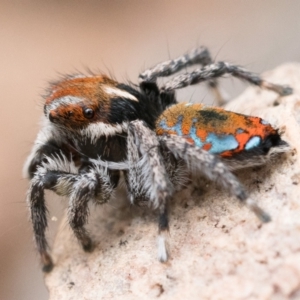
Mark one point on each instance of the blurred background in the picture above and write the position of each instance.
(42, 39)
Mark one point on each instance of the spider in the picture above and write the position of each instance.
(96, 129)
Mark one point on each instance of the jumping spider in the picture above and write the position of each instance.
(96, 128)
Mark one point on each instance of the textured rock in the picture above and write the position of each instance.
(219, 250)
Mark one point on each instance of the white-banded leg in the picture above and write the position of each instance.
(218, 69)
(213, 168)
(200, 55)
(163, 230)
(154, 179)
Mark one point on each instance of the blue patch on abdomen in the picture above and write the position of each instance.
(176, 127)
(253, 142)
(219, 143)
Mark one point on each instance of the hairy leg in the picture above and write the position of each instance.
(213, 168)
(44, 179)
(61, 177)
(198, 55)
(155, 180)
(219, 69)
(88, 186)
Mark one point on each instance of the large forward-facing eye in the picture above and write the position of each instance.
(88, 113)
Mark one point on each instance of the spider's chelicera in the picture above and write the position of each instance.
(95, 129)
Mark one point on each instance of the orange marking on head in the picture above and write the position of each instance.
(88, 88)
(90, 91)
(72, 116)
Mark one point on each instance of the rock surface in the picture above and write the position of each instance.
(219, 250)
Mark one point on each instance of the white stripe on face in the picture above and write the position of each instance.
(95, 130)
(117, 92)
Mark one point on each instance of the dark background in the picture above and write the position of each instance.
(41, 39)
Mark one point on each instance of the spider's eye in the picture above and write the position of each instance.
(88, 113)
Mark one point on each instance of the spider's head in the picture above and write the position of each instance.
(89, 105)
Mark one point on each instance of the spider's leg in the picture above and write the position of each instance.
(163, 229)
(57, 181)
(219, 69)
(213, 168)
(60, 176)
(38, 215)
(155, 180)
(176, 169)
(93, 185)
(134, 174)
(200, 55)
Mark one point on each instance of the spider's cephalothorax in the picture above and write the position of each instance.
(96, 128)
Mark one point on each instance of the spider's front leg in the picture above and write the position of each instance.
(60, 176)
(213, 168)
(147, 175)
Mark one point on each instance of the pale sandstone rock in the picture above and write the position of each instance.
(219, 250)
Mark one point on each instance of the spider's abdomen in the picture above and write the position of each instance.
(218, 131)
